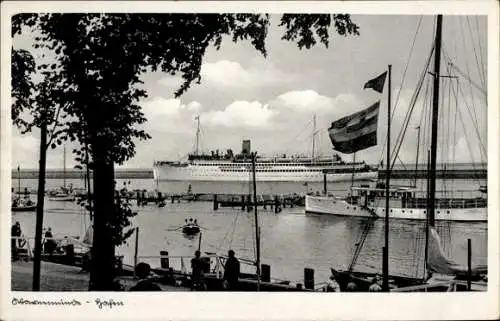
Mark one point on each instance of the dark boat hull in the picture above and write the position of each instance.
(364, 280)
(190, 230)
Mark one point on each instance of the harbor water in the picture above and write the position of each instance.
(290, 240)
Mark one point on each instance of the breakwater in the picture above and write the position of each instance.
(440, 174)
(462, 173)
(140, 173)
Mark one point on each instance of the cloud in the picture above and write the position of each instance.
(241, 113)
(310, 101)
(232, 74)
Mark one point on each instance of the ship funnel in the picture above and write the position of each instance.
(246, 148)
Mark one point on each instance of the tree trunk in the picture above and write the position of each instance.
(102, 265)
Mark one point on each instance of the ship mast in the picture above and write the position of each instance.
(313, 137)
(197, 118)
(64, 166)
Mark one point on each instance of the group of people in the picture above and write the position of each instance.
(333, 286)
(231, 272)
(191, 222)
(230, 279)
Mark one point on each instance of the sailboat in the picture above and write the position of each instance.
(22, 204)
(437, 264)
(352, 133)
(63, 194)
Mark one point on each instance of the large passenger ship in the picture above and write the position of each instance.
(237, 167)
(230, 167)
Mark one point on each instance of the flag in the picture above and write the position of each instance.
(377, 83)
(355, 132)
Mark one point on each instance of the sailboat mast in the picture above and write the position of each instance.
(435, 109)
(416, 159)
(257, 229)
(385, 265)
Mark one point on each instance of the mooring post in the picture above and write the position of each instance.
(309, 278)
(265, 273)
(242, 202)
(216, 203)
(232, 201)
(172, 198)
(136, 250)
(325, 191)
(469, 264)
(70, 253)
(164, 263)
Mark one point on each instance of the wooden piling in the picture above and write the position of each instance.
(249, 203)
(164, 263)
(309, 278)
(242, 202)
(325, 191)
(136, 250)
(265, 273)
(469, 264)
(172, 198)
(216, 203)
(70, 253)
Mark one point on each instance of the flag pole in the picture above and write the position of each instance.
(385, 263)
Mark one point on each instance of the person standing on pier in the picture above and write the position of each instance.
(231, 271)
(50, 244)
(196, 271)
(16, 232)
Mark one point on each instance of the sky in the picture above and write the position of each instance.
(272, 101)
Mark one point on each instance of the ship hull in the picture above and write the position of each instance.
(192, 174)
(328, 205)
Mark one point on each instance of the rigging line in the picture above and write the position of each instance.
(440, 116)
(448, 126)
(478, 87)
(403, 80)
(296, 136)
(467, 68)
(400, 138)
(475, 117)
(475, 54)
(472, 98)
(474, 123)
(455, 123)
(483, 69)
(466, 140)
(408, 62)
(423, 120)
